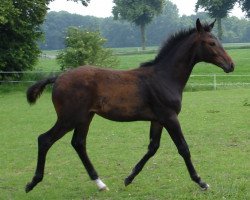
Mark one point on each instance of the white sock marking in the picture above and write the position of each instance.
(100, 184)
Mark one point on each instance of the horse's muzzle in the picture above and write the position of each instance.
(229, 68)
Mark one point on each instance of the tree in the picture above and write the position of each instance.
(20, 29)
(217, 9)
(119, 34)
(245, 5)
(84, 2)
(139, 12)
(84, 47)
(164, 24)
(57, 23)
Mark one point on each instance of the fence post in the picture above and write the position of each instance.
(215, 82)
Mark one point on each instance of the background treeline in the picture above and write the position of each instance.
(124, 34)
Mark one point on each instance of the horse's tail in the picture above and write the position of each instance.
(36, 90)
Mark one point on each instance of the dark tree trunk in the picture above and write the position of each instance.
(220, 31)
(143, 37)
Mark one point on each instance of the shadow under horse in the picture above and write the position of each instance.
(152, 92)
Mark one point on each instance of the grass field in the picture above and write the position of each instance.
(216, 126)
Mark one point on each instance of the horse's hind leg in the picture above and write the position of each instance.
(45, 141)
(79, 144)
(155, 137)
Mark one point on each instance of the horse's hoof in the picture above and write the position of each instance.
(204, 186)
(127, 181)
(28, 188)
(104, 189)
(101, 186)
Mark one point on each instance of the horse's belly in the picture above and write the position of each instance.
(123, 111)
(121, 117)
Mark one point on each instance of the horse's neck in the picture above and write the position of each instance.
(177, 67)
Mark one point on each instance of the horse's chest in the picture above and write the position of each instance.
(166, 101)
(172, 103)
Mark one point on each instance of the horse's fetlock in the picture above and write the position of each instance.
(38, 177)
(153, 148)
(196, 178)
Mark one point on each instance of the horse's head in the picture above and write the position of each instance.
(210, 49)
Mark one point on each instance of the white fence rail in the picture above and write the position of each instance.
(214, 82)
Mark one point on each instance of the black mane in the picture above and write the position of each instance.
(171, 42)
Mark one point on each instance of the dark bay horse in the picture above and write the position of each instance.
(152, 92)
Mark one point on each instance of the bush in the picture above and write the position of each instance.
(84, 47)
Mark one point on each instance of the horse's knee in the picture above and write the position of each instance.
(77, 144)
(74, 143)
(153, 147)
(44, 142)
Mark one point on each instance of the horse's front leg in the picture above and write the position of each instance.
(174, 129)
(155, 136)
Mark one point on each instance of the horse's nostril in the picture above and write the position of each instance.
(232, 65)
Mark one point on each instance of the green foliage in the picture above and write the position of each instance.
(125, 34)
(245, 5)
(57, 23)
(164, 24)
(217, 9)
(20, 22)
(6, 9)
(85, 47)
(139, 12)
(118, 33)
(84, 2)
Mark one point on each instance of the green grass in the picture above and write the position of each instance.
(215, 123)
(47, 64)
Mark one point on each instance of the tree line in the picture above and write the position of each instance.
(125, 34)
(22, 26)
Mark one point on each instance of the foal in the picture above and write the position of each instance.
(152, 92)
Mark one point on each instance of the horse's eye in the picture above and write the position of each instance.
(212, 44)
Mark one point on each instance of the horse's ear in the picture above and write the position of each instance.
(199, 26)
(212, 25)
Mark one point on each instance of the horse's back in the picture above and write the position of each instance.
(114, 94)
(96, 79)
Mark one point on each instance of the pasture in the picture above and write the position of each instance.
(216, 125)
